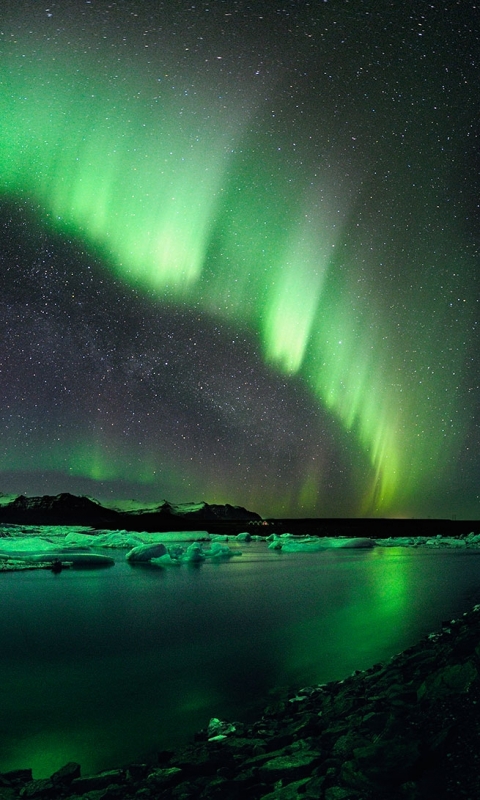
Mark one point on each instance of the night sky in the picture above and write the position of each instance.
(240, 254)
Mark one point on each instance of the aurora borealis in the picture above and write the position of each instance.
(240, 247)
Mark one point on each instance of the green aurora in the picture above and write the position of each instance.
(339, 253)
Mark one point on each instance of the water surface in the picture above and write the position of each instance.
(107, 666)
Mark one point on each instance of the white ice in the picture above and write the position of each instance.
(145, 552)
(288, 543)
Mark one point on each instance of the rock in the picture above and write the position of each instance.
(289, 766)
(66, 774)
(16, 776)
(313, 788)
(292, 791)
(7, 793)
(197, 761)
(338, 793)
(160, 778)
(453, 679)
(217, 728)
(38, 788)
(391, 760)
(99, 781)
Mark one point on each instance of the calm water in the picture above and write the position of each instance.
(107, 666)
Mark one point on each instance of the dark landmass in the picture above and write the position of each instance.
(68, 509)
(374, 527)
(407, 729)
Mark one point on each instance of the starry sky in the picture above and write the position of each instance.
(240, 254)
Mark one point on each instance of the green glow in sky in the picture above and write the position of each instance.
(187, 206)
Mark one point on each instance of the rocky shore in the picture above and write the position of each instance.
(406, 729)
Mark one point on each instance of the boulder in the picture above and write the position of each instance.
(99, 781)
(38, 788)
(66, 774)
(452, 679)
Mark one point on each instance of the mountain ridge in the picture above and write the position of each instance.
(69, 509)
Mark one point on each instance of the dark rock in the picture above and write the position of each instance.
(136, 772)
(292, 791)
(452, 679)
(160, 778)
(338, 793)
(99, 781)
(184, 791)
(15, 776)
(278, 741)
(164, 756)
(374, 722)
(390, 760)
(217, 727)
(290, 767)
(346, 743)
(66, 774)
(353, 777)
(201, 761)
(7, 793)
(220, 788)
(38, 788)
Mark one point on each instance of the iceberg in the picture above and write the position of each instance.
(26, 545)
(59, 557)
(194, 553)
(145, 552)
(244, 537)
(218, 550)
(288, 543)
(166, 560)
(161, 556)
(35, 550)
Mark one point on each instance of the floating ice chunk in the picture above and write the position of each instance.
(118, 539)
(400, 541)
(145, 552)
(165, 561)
(445, 541)
(275, 542)
(302, 547)
(82, 559)
(356, 542)
(26, 545)
(63, 555)
(219, 537)
(289, 542)
(160, 555)
(176, 536)
(244, 537)
(175, 551)
(80, 539)
(218, 550)
(309, 544)
(194, 553)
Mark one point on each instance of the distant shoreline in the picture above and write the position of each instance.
(80, 511)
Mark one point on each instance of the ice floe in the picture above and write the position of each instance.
(288, 543)
(161, 556)
(145, 552)
(472, 541)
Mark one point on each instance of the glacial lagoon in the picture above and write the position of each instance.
(108, 666)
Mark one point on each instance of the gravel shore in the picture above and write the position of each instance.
(408, 728)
